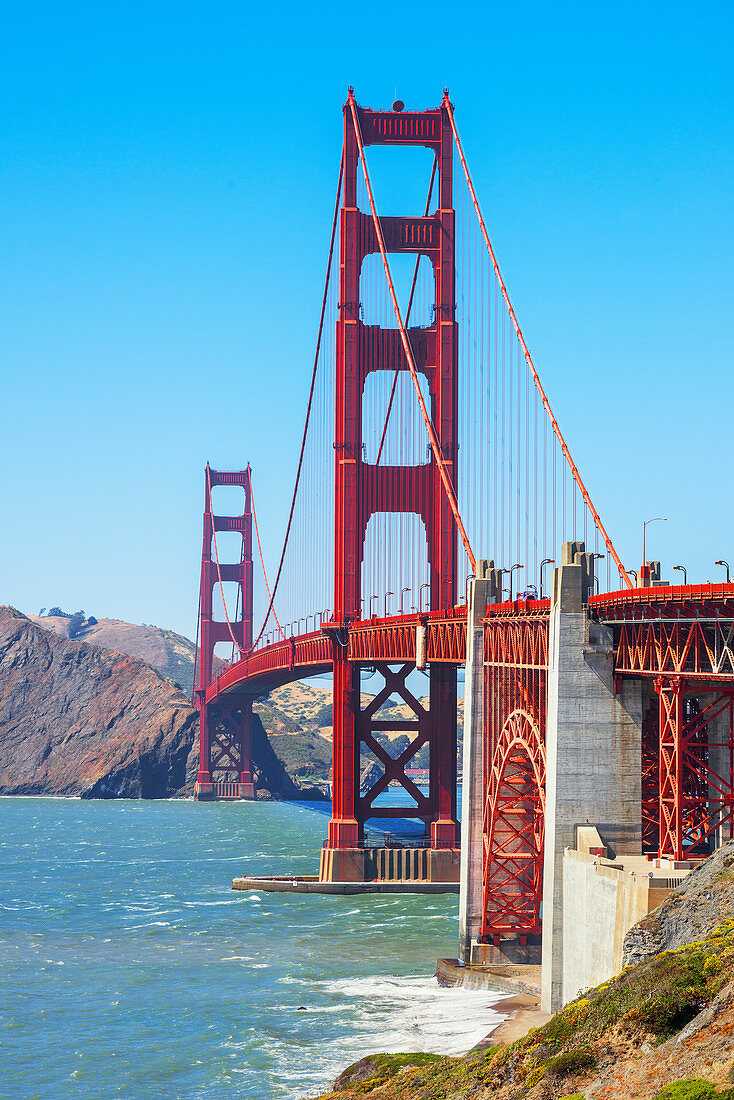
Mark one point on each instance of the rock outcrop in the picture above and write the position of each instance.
(76, 719)
(703, 901)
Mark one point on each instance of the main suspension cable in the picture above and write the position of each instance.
(528, 358)
(435, 444)
(308, 407)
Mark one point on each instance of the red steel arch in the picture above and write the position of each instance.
(514, 821)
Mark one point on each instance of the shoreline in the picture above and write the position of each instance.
(522, 1014)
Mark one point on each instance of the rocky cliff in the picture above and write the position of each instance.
(76, 719)
(703, 901)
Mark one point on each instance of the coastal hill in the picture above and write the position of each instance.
(77, 719)
(170, 653)
(662, 1029)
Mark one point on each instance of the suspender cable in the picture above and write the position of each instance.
(528, 358)
(435, 444)
(308, 407)
(260, 549)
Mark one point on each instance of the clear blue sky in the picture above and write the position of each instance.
(165, 192)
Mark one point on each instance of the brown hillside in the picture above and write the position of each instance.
(170, 653)
(78, 720)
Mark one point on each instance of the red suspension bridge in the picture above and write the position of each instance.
(429, 441)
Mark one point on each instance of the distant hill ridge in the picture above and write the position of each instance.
(170, 653)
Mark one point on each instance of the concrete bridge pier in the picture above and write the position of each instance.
(482, 590)
(593, 753)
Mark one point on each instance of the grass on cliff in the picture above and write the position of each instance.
(648, 1002)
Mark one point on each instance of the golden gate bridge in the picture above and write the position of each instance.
(434, 489)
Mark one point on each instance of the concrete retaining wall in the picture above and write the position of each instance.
(602, 899)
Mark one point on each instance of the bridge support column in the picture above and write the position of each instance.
(593, 746)
(225, 725)
(343, 827)
(481, 592)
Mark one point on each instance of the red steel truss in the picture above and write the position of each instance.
(225, 725)
(515, 670)
(363, 489)
(681, 638)
(695, 788)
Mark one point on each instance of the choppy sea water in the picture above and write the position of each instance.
(130, 968)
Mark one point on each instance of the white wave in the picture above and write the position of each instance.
(198, 904)
(237, 958)
(415, 1013)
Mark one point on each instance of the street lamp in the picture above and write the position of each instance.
(511, 570)
(384, 606)
(545, 561)
(469, 577)
(402, 591)
(373, 597)
(633, 573)
(595, 557)
(655, 519)
(684, 571)
(309, 616)
(726, 566)
(420, 595)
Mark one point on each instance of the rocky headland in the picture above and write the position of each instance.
(79, 720)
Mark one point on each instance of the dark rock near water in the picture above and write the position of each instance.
(76, 719)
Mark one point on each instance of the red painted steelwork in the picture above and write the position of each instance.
(682, 639)
(515, 670)
(363, 489)
(225, 726)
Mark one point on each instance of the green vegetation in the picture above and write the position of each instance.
(694, 1088)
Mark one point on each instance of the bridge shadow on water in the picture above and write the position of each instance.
(403, 830)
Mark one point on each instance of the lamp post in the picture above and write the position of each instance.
(373, 597)
(655, 519)
(511, 570)
(545, 561)
(384, 606)
(402, 593)
(726, 566)
(633, 573)
(469, 577)
(595, 557)
(684, 571)
(420, 596)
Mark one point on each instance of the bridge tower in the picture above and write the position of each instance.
(363, 489)
(225, 725)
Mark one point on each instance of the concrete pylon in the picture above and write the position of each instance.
(482, 590)
(593, 748)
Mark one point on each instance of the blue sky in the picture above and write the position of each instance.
(165, 192)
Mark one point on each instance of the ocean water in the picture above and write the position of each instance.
(130, 968)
